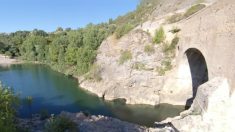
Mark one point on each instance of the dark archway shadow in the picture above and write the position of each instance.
(199, 71)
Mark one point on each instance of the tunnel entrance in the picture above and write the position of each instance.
(198, 69)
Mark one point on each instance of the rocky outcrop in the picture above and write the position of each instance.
(136, 80)
(89, 123)
(212, 109)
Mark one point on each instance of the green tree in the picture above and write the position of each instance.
(85, 59)
(7, 109)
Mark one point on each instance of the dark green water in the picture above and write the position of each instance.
(55, 92)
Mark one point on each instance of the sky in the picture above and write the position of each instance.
(49, 14)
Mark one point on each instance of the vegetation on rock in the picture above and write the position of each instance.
(159, 36)
(71, 51)
(179, 16)
(194, 9)
(125, 56)
(60, 124)
(174, 18)
(8, 102)
(149, 49)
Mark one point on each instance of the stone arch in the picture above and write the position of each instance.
(198, 70)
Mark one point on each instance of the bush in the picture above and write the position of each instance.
(122, 30)
(149, 49)
(8, 101)
(165, 66)
(94, 73)
(175, 18)
(170, 48)
(60, 124)
(125, 56)
(159, 36)
(193, 10)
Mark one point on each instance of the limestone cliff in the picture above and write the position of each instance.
(138, 80)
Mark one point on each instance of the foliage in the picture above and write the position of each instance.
(159, 36)
(193, 10)
(7, 106)
(125, 56)
(175, 18)
(69, 50)
(149, 49)
(172, 46)
(60, 124)
(122, 30)
(169, 51)
(85, 59)
(132, 19)
(165, 66)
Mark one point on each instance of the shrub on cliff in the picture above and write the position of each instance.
(174, 18)
(60, 124)
(149, 49)
(159, 36)
(8, 101)
(193, 10)
(122, 30)
(125, 56)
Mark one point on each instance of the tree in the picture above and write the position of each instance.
(71, 55)
(57, 44)
(33, 48)
(7, 109)
(85, 59)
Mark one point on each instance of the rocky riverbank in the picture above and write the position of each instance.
(88, 123)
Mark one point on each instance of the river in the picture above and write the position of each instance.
(54, 92)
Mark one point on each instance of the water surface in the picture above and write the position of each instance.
(55, 92)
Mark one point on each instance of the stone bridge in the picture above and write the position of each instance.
(206, 50)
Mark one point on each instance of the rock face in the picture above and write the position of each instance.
(212, 109)
(136, 80)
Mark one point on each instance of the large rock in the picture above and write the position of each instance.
(212, 109)
(137, 86)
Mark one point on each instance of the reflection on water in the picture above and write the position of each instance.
(55, 92)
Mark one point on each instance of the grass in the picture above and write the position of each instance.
(165, 66)
(159, 36)
(170, 48)
(122, 30)
(174, 18)
(169, 51)
(193, 10)
(125, 56)
(149, 49)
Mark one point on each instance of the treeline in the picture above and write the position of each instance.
(73, 51)
(63, 49)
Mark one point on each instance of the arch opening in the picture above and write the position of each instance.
(198, 70)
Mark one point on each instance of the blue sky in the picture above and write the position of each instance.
(50, 14)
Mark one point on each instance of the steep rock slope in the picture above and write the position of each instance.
(138, 80)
